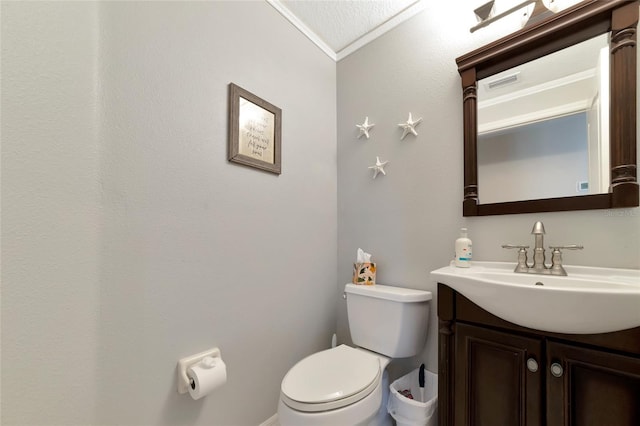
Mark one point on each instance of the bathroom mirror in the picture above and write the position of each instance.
(545, 124)
(536, 140)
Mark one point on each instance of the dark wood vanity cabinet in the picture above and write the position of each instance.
(495, 373)
(491, 372)
(595, 388)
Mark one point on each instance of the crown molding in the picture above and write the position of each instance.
(407, 13)
(398, 19)
(286, 13)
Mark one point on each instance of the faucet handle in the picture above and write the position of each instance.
(567, 247)
(556, 258)
(522, 257)
(512, 246)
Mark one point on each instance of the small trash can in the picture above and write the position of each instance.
(414, 412)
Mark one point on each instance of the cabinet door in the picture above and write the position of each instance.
(497, 378)
(591, 388)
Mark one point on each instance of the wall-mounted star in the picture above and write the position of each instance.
(410, 126)
(379, 167)
(364, 128)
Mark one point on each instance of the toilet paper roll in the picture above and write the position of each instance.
(206, 377)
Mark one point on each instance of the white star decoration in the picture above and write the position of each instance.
(410, 126)
(379, 167)
(364, 128)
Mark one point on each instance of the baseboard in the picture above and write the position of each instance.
(271, 421)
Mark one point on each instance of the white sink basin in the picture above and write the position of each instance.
(588, 300)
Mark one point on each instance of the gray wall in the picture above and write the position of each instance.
(410, 218)
(51, 213)
(128, 240)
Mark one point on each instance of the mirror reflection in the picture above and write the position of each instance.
(543, 127)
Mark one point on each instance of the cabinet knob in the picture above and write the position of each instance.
(532, 365)
(556, 370)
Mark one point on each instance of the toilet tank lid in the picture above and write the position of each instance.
(387, 292)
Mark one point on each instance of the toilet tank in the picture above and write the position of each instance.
(391, 321)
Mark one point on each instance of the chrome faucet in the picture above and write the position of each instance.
(539, 263)
(538, 250)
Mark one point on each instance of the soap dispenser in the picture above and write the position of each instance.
(463, 250)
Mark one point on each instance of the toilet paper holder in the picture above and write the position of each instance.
(184, 363)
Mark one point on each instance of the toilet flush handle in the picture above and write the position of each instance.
(344, 295)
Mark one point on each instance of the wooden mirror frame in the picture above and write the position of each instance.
(574, 25)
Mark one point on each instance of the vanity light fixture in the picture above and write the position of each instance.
(485, 11)
(536, 10)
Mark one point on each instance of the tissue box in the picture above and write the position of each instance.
(364, 273)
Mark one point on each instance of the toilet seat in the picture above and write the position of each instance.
(331, 379)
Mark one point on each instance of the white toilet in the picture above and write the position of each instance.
(349, 386)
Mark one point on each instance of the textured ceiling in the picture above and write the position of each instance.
(339, 23)
(340, 27)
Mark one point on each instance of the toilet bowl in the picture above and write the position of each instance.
(338, 386)
(349, 385)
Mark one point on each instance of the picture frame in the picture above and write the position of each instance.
(255, 131)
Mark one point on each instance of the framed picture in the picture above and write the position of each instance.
(255, 128)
